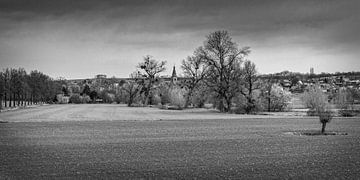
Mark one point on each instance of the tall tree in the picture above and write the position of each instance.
(19, 84)
(7, 87)
(195, 69)
(132, 88)
(223, 57)
(249, 84)
(151, 69)
(2, 89)
(86, 90)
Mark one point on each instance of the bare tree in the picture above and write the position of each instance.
(151, 69)
(250, 84)
(132, 88)
(195, 69)
(2, 89)
(223, 57)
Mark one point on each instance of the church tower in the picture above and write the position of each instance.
(174, 76)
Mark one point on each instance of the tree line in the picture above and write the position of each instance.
(217, 72)
(19, 88)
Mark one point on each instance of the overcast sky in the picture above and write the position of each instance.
(79, 39)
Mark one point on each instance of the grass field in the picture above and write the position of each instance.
(116, 142)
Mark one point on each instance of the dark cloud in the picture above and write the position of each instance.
(175, 26)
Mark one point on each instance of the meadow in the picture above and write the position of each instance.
(100, 141)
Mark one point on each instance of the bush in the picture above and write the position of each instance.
(85, 99)
(348, 112)
(118, 99)
(107, 97)
(244, 107)
(312, 112)
(61, 99)
(177, 97)
(163, 93)
(156, 99)
(199, 97)
(315, 99)
(279, 99)
(75, 99)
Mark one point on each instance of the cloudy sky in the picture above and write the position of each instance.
(79, 39)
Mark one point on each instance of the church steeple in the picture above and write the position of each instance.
(174, 73)
(174, 76)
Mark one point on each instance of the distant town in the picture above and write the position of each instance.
(293, 81)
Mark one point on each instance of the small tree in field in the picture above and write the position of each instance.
(317, 102)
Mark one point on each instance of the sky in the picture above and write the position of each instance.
(82, 38)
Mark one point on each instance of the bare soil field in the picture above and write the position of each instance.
(117, 142)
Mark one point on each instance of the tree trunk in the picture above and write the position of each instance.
(22, 100)
(130, 101)
(18, 99)
(14, 100)
(5, 100)
(1, 101)
(228, 104)
(187, 101)
(323, 128)
(10, 100)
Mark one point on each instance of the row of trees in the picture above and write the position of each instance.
(19, 88)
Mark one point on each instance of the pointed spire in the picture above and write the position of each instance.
(174, 72)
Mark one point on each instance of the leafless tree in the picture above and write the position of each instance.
(132, 88)
(151, 69)
(250, 83)
(196, 70)
(223, 58)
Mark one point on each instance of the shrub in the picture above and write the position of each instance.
(315, 99)
(243, 106)
(75, 99)
(177, 97)
(156, 99)
(199, 97)
(85, 99)
(348, 112)
(107, 97)
(345, 100)
(279, 99)
(163, 93)
(61, 99)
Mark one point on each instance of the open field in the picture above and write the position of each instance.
(112, 142)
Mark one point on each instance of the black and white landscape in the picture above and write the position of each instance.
(180, 89)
